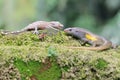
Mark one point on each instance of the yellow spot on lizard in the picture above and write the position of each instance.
(92, 38)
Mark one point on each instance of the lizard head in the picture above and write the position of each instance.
(68, 30)
(56, 24)
(73, 31)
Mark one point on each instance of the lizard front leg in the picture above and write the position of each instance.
(36, 30)
(84, 41)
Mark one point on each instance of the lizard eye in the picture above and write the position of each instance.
(70, 29)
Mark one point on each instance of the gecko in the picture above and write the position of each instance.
(38, 25)
(97, 43)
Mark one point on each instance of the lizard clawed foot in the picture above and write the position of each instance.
(36, 31)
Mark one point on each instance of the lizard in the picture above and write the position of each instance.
(38, 25)
(98, 43)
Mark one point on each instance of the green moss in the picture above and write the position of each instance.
(33, 68)
(21, 39)
(65, 68)
(58, 38)
(30, 54)
(52, 51)
(101, 63)
(53, 73)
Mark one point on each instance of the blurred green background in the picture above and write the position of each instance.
(99, 16)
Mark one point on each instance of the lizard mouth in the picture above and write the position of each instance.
(66, 30)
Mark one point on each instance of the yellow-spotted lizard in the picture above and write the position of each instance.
(98, 43)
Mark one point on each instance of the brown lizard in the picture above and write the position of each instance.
(38, 25)
(98, 43)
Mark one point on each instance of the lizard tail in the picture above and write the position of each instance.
(14, 32)
(105, 46)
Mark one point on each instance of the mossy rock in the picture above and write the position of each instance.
(28, 54)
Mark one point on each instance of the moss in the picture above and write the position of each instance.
(100, 63)
(8, 71)
(33, 68)
(53, 73)
(21, 39)
(52, 51)
(31, 53)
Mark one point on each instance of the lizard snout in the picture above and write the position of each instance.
(65, 30)
(68, 30)
(61, 26)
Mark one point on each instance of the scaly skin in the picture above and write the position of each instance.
(98, 43)
(38, 25)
